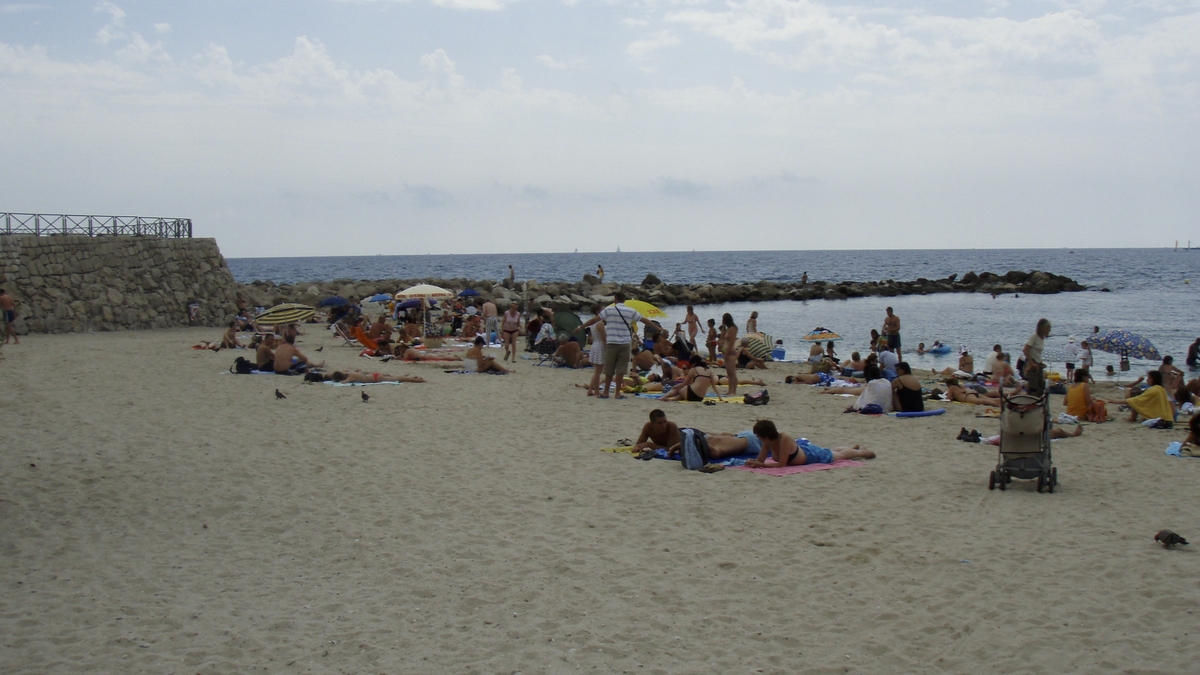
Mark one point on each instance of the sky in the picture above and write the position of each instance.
(361, 127)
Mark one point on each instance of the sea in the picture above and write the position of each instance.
(1143, 290)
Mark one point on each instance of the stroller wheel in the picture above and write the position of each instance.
(1041, 483)
(1002, 480)
(1053, 479)
(992, 481)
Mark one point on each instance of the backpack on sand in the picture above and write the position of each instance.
(693, 449)
(757, 398)
(241, 366)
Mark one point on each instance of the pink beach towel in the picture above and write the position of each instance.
(803, 468)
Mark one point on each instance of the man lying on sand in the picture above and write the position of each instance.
(787, 451)
(358, 376)
(658, 433)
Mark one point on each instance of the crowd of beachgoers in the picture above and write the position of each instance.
(630, 353)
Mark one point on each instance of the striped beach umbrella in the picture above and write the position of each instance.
(757, 346)
(1125, 343)
(288, 312)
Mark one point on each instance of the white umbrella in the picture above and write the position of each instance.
(424, 292)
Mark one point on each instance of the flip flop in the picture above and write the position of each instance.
(616, 397)
(625, 442)
(712, 468)
(647, 455)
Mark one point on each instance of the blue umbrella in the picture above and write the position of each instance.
(382, 297)
(335, 301)
(1125, 343)
(468, 293)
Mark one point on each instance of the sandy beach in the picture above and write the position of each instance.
(160, 515)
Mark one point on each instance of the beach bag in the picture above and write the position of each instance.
(871, 409)
(1098, 412)
(693, 449)
(241, 366)
(757, 398)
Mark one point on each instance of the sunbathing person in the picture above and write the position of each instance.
(289, 360)
(696, 383)
(266, 353)
(644, 359)
(966, 362)
(1079, 401)
(405, 351)
(658, 433)
(476, 361)
(745, 359)
(381, 329)
(855, 362)
(1153, 402)
(957, 393)
(572, 356)
(358, 376)
(788, 451)
(229, 340)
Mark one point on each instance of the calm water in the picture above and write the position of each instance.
(1150, 290)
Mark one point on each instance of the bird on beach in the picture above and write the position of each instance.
(1168, 539)
(368, 398)
(321, 348)
(279, 394)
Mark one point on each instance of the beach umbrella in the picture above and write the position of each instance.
(424, 291)
(1125, 343)
(757, 346)
(335, 301)
(645, 309)
(470, 292)
(288, 312)
(379, 297)
(414, 303)
(821, 335)
(567, 325)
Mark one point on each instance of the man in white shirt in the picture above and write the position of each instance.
(618, 321)
(887, 363)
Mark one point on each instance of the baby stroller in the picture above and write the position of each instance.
(1024, 443)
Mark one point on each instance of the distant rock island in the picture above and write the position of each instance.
(583, 294)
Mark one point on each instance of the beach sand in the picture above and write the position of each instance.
(159, 515)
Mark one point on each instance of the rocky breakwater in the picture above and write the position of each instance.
(583, 294)
(72, 283)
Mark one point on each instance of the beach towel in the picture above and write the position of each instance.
(1153, 402)
(360, 384)
(473, 372)
(803, 468)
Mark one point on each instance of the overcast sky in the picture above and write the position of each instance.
(355, 127)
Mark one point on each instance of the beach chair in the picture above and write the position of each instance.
(364, 340)
(1024, 443)
(347, 339)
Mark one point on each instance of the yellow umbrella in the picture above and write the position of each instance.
(645, 309)
(288, 312)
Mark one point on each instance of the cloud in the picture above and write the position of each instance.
(641, 48)
(441, 68)
(161, 28)
(485, 5)
(554, 64)
(115, 28)
(678, 187)
(428, 197)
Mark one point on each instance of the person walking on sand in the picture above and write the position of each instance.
(491, 319)
(510, 328)
(618, 321)
(891, 330)
(8, 307)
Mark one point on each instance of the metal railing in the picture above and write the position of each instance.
(48, 224)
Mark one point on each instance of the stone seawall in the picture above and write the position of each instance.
(581, 295)
(75, 283)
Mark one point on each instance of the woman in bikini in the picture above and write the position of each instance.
(961, 395)
(693, 324)
(476, 361)
(730, 351)
(786, 451)
(510, 328)
(695, 384)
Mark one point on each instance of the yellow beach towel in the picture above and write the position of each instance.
(1152, 403)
